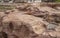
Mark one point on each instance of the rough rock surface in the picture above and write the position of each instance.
(30, 21)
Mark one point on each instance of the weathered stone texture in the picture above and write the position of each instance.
(30, 21)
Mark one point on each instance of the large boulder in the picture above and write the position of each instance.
(22, 26)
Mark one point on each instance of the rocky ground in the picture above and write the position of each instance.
(30, 21)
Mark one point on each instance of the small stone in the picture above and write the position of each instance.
(51, 26)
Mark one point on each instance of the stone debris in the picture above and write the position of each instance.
(30, 21)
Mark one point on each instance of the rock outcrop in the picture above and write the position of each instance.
(30, 21)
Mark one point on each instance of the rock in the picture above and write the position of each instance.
(57, 8)
(30, 21)
(54, 34)
(2, 14)
(23, 25)
(51, 27)
(57, 28)
(33, 22)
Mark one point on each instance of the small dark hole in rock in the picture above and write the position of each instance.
(11, 25)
